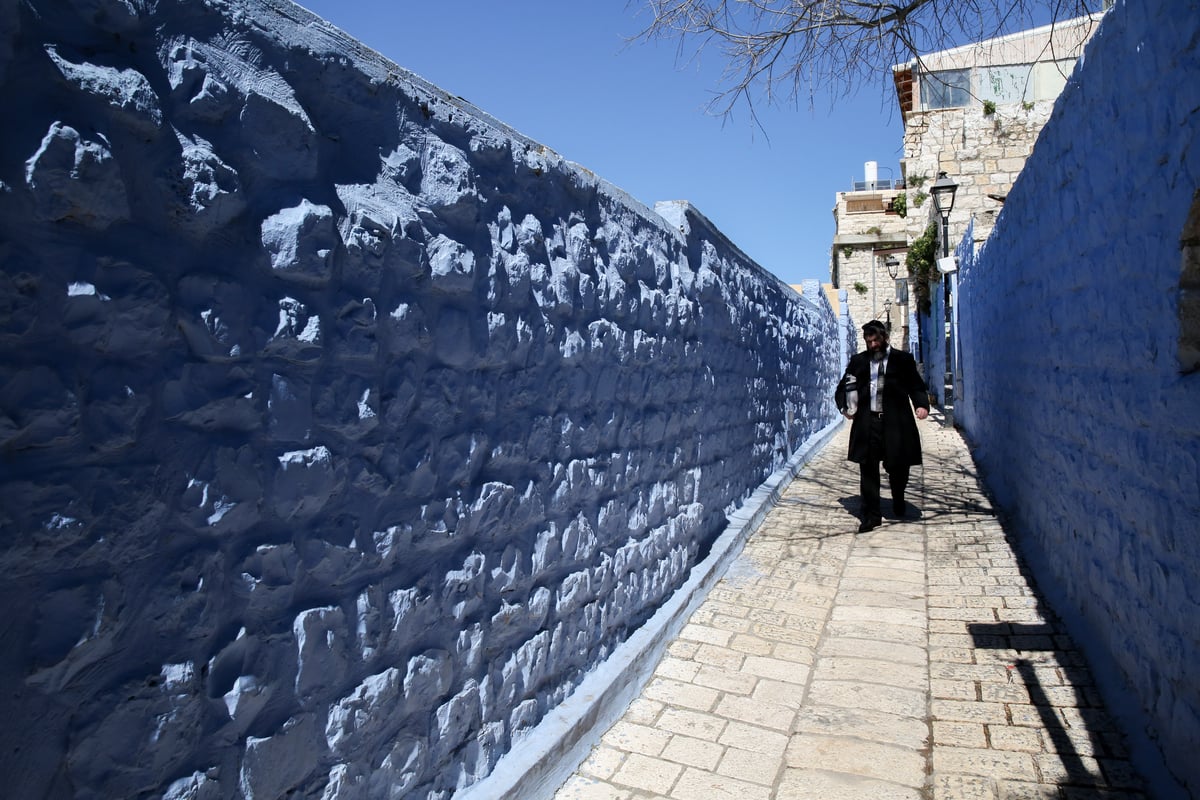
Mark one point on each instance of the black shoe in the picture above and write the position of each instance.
(899, 509)
(870, 524)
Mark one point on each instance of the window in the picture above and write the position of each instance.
(949, 88)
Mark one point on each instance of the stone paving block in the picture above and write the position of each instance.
(633, 738)
(778, 669)
(788, 653)
(866, 759)
(1093, 793)
(960, 734)
(866, 648)
(1072, 768)
(725, 680)
(719, 656)
(861, 597)
(643, 711)
(1003, 693)
(859, 583)
(866, 724)
(1085, 719)
(871, 696)
(700, 785)
(693, 752)
(579, 787)
(951, 640)
(967, 672)
(908, 676)
(955, 655)
(780, 633)
(896, 577)
(815, 784)
(812, 615)
(983, 762)
(1059, 740)
(714, 607)
(748, 765)
(750, 644)
(753, 710)
(729, 623)
(1023, 790)
(1007, 737)
(682, 648)
(677, 668)
(966, 711)
(953, 690)
(963, 787)
(744, 736)
(787, 695)
(691, 723)
(882, 616)
(704, 634)
(900, 634)
(602, 762)
(650, 774)
(681, 695)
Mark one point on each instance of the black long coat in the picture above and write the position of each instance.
(903, 390)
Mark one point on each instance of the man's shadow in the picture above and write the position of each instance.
(853, 505)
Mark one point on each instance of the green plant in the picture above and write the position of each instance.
(919, 198)
(900, 205)
(860, 287)
(1027, 105)
(916, 181)
(874, 230)
(847, 251)
(922, 254)
(989, 108)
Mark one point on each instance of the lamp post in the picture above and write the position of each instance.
(942, 191)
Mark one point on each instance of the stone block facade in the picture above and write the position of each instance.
(1085, 421)
(982, 153)
(867, 230)
(344, 429)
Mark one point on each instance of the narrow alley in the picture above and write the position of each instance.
(913, 662)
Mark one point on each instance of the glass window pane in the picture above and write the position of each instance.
(949, 88)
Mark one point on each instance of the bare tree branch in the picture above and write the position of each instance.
(782, 51)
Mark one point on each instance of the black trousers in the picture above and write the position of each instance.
(868, 472)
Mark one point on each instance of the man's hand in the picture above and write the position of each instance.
(922, 413)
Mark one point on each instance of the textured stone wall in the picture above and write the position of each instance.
(982, 153)
(342, 429)
(1087, 431)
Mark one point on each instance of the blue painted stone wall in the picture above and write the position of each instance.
(343, 429)
(1086, 431)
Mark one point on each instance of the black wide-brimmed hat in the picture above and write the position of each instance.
(874, 326)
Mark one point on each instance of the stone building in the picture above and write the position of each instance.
(975, 112)
(869, 233)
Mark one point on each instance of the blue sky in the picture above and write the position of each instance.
(563, 74)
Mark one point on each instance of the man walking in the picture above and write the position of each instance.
(878, 392)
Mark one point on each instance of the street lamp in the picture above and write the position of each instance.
(943, 190)
(893, 266)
